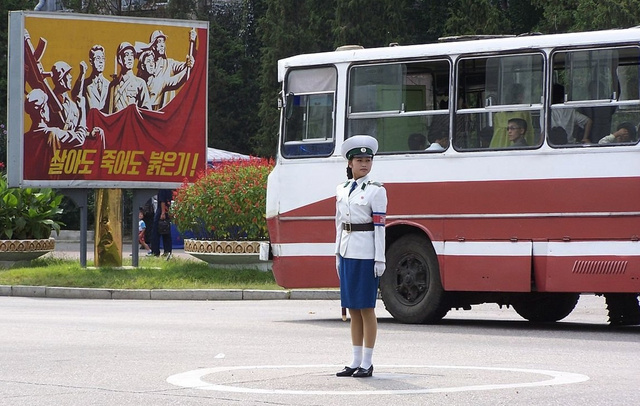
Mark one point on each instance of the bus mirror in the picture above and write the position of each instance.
(288, 105)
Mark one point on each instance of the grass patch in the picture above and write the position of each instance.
(153, 273)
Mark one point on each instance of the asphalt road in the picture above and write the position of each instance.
(285, 352)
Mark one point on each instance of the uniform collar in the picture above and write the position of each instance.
(362, 180)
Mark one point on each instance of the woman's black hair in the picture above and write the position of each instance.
(631, 129)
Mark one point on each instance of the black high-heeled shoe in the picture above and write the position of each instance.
(347, 371)
(363, 373)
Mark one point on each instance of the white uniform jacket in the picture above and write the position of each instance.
(366, 204)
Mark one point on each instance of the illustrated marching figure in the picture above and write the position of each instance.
(361, 206)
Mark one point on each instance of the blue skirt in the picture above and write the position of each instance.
(358, 285)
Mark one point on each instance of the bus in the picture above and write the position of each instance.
(531, 199)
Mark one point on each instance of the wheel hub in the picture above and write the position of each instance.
(411, 279)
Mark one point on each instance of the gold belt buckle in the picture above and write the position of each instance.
(347, 227)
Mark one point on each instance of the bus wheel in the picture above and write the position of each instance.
(545, 307)
(623, 308)
(411, 287)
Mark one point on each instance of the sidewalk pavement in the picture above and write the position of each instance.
(67, 249)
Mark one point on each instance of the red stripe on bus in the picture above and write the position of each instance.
(484, 274)
(506, 196)
(305, 272)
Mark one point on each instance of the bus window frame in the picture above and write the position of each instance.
(495, 108)
(400, 113)
(325, 145)
(590, 103)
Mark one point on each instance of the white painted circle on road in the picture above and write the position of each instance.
(194, 379)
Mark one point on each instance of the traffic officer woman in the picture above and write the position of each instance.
(361, 207)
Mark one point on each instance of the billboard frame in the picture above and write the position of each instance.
(17, 92)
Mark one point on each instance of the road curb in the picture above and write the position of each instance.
(167, 294)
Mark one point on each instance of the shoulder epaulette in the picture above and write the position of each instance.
(374, 183)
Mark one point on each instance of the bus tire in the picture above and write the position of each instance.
(623, 308)
(411, 288)
(545, 307)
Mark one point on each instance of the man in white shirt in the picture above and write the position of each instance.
(569, 118)
(439, 141)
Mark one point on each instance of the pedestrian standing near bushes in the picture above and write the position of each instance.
(361, 207)
(142, 228)
(162, 213)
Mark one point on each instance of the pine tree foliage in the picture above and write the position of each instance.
(603, 14)
(368, 23)
(480, 17)
(233, 89)
(289, 27)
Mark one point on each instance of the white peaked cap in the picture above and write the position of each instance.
(359, 145)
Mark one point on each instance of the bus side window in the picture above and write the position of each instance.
(603, 83)
(503, 88)
(397, 102)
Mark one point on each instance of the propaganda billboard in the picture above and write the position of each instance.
(102, 101)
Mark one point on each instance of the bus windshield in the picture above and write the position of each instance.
(309, 116)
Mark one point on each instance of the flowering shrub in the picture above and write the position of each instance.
(28, 213)
(226, 202)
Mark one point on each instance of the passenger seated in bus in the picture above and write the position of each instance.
(600, 115)
(516, 129)
(464, 125)
(417, 142)
(500, 137)
(439, 125)
(484, 137)
(439, 141)
(557, 136)
(569, 119)
(625, 132)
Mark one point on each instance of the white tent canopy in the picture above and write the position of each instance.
(219, 155)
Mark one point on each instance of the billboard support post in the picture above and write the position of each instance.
(79, 197)
(108, 228)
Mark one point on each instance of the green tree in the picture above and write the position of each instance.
(604, 14)
(476, 17)
(558, 15)
(424, 21)
(288, 27)
(369, 23)
(523, 15)
(233, 88)
(586, 15)
(182, 9)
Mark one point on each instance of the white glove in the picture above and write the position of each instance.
(338, 265)
(378, 268)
